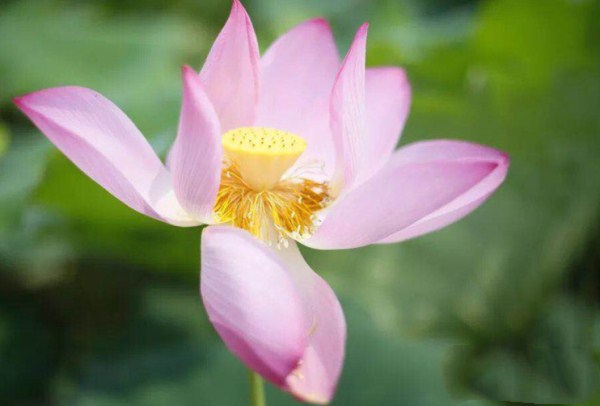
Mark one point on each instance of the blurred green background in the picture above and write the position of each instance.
(100, 306)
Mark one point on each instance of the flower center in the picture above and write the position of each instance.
(253, 194)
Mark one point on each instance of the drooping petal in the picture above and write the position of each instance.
(347, 111)
(296, 76)
(387, 104)
(101, 140)
(453, 151)
(316, 378)
(279, 317)
(399, 195)
(252, 301)
(195, 160)
(230, 73)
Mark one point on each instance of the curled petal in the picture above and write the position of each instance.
(296, 76)
(195, 160)
(101, 140)
(273, 312)
(317, 375)
(399, 195)
(252, 301)
(230, 73)
(447, 150)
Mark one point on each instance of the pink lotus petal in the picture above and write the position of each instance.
(401, 194)
(195, 160)
(451, 151)
(273, 312)
(252, 301)
(230, 73)
(387, 104)
(316, 378)
(347, 111)
(101, 140)
(296, 76)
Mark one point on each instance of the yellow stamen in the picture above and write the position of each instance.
(253, 195)
(289, 207)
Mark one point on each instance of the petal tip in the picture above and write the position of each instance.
(499, 158)
(189, 75)
(238, 13)
(26, 102)
(237, 7)
(185, 69)
(359, 43)
(27, 99)
(320, 22)
(363, 30)
(18, 101)
(504, 159)
(311, 397)
(503, 163)
(23, 100)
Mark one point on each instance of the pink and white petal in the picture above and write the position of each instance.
(447, 150)
(347, 110)
(315, 380)
(230, 73)
(299, 68)
(296, 77)
(195, 159)
(103, 142)
(396, 197)
(253, 302)
(388, 99)
(273, 312)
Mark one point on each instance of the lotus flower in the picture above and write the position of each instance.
(296, 146)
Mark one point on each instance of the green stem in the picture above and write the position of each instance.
(257, 389)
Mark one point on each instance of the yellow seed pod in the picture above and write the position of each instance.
(262, 155)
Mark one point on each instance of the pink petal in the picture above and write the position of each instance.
(401, 194)
(101, 140)
(387, 104)
(347, 111)
(317, 376)
(195, 160)
(452, 151)
(296, 76)
(273, 312)
(230, 73)
(252, 301)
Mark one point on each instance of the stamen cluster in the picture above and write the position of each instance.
(288, 208)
